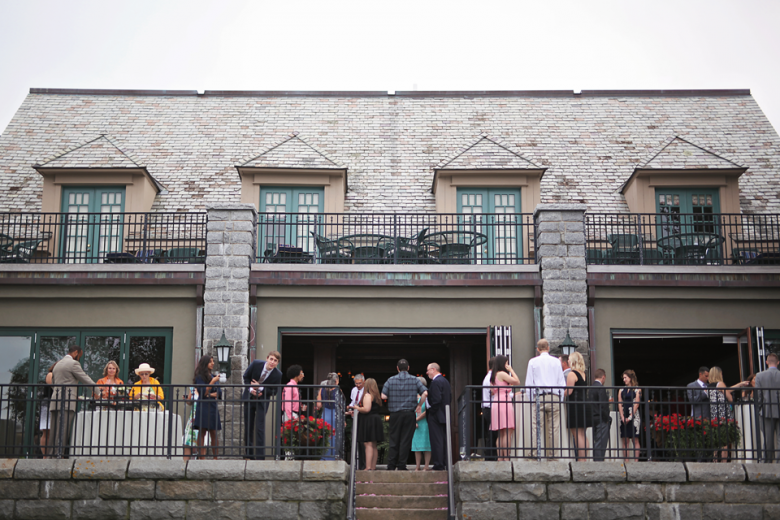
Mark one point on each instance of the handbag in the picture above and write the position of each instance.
(637, 420)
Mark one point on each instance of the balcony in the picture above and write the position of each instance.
(682, 239)
(356, 238)
(110, 238)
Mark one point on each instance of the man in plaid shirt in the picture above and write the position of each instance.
(401, 393)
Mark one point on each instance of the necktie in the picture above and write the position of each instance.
(263, 376)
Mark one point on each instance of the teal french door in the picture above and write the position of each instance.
(297, 210)
(92, 224)
(504, 233)
(689, 210)
(29, 353)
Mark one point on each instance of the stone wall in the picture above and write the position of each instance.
(156, 489)
(607, 491)
(561, 252)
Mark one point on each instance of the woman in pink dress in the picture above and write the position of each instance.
(502, 408)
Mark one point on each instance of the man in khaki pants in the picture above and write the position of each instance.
(544, 380)
(67, 372)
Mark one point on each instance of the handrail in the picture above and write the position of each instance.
(450, 487)
(352, 467)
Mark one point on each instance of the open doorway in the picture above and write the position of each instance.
(461, 356)
(673, 360)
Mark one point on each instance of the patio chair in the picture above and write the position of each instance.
(6, 242)
(411, 250)
(184, 255)
(595, 256)
(625, 249)
(151, 256)
(741, 256)
(333, 251)
(20, 253)
(652, 256)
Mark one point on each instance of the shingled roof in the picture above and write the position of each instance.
(486, 153)
(100, 152)
(677, 153)
(589, 143)
(292, 152)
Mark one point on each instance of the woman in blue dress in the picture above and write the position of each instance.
(207, 414)
(326, 401)
(421, 442)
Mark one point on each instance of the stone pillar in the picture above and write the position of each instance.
(561, 253)
(231, 249)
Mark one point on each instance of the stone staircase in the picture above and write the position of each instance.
(401, 495)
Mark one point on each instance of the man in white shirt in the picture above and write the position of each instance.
(544, 380)
(357, 396)
(488, 436)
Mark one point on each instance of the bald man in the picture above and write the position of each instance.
(439, 396)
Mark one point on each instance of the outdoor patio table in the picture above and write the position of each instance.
(368, 248)
(126, 432)
(690, 248)
(455, 246)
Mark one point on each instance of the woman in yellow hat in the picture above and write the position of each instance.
(148, 388)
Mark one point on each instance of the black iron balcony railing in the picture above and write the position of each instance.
(618, 423)
(203, 421)
(682, 239)
(87, 238)
(356, 238)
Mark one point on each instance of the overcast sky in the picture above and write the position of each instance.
(389, 45)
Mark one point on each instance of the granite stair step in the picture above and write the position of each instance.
(401, 502)
(391, 477)
(402, 489)
(401, 514)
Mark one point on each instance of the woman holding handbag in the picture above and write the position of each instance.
(630, 421)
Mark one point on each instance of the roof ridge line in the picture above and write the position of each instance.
(484, 136)
(305, 141)
(294, 135)
(131, 156)
(65, 151)
(267, 149)
(716, 154)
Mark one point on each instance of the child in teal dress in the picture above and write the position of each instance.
(421, 442)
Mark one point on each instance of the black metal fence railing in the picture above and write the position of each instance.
(355, 238)
(682, 239)
(120, 238)
(619, 423)
(220, 421)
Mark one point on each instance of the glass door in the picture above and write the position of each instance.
(297, 210)
(17, 413)
(499, 241)
(99, 349)
(92, 224)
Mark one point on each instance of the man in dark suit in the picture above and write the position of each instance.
(439, 395)
(697, 395)
(700, 405)
(256, 398)
(768, 406)
(602, 421)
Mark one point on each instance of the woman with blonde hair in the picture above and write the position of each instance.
(720, 407)
(370, 430)
(577, 410)
(628, 404)
(109, 381)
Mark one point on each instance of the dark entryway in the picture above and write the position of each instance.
(462, 358)
(673, 361)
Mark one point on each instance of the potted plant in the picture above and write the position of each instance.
(305, 437)
(688, 438)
